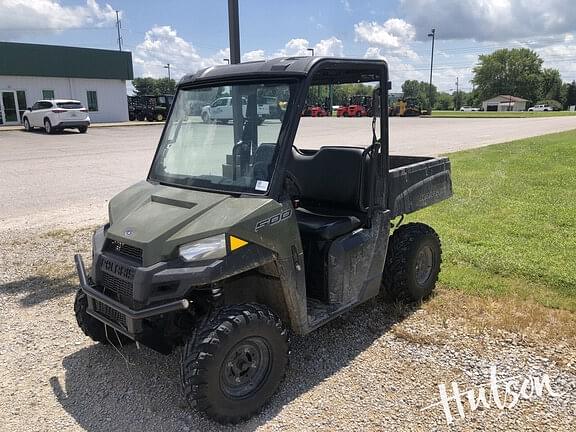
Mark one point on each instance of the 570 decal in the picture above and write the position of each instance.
(273, 220)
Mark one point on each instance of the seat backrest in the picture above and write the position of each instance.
(331, 177)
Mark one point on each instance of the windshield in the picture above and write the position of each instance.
(198, 146)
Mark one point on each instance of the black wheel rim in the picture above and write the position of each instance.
(424, 265)
(245, 368)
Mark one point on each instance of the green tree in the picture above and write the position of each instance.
(570, 94)
(154, 86)
(420, 91)
(516, 71)
(444, 101)
(551, 85)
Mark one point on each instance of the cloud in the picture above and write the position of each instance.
(162, 45)
(398, 68)
(394, 33)
(346, 5)
(490, 20)
(19, 18)
(331, 47)
(254, 55)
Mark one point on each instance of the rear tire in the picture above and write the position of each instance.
(82, 129)
(159, 117)
(91, 327)
(235, 363)
(412, 263)
(48, 127)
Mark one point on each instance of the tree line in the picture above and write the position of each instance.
(517, 72)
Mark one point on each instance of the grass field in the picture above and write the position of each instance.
(510, 229)
(494, 114)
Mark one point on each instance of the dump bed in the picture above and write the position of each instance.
(417, 182)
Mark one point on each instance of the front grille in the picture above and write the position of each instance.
(124, 249)
(119, 286)
(111, 314)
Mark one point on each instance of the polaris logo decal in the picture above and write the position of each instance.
(277, 218)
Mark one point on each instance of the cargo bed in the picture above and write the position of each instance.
(416, 182)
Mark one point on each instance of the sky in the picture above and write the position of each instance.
(191, 34)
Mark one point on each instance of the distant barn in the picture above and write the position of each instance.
(505, 103)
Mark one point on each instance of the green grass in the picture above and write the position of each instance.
(495, 114)
(510, 228)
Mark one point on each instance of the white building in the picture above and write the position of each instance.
(97, 78)
(505, 103)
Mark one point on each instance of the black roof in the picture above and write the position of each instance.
(278, 67)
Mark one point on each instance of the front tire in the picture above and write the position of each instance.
(27, 126)
(412, 263)
(205, 117)
(159, 117)
(235, 363)
(93, 328)
(82, 129)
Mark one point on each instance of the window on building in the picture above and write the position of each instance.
(47, 94)
(92, 100)
(21, 97)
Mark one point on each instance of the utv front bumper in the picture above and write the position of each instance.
(111, 312)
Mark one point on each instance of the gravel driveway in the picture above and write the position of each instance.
(374, 369)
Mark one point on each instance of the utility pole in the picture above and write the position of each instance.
(118, 31)
(456, 108)
(167, 66)
(433, 35)
(234, 36)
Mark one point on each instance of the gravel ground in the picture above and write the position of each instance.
(373, 369)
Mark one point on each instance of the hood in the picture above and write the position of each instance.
(158, 218)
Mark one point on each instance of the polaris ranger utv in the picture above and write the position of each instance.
(237, 237)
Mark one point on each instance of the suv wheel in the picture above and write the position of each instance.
(48, 126)
(27, 126)
(235, 362)
(205, 117)
(412, 263)
(82, 129)
(159, 117)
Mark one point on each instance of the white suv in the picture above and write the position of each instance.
(56, 114)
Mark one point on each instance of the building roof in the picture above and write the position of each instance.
(506, 98)
(67, 62)
(278, 67)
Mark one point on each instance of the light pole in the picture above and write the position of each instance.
(167, 66)
(234, 36)
(432, 34)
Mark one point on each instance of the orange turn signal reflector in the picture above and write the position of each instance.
(236, 243)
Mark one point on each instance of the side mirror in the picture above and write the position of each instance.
(29, 109)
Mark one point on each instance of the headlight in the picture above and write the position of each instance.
(205, 249)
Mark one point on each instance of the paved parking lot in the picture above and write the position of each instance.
(47, 178)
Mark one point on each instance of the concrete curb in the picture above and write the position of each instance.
(94, 125)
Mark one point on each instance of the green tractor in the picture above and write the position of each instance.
(236, 238)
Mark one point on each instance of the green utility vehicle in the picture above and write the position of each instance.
(237, 238)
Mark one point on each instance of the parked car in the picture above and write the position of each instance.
(57, 114)
(221, 110)
(467, 108)
(541, 107)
